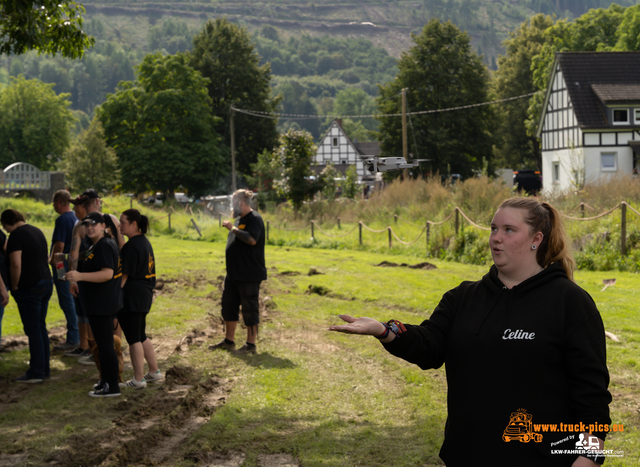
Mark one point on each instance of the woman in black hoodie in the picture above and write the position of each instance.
(524, 350)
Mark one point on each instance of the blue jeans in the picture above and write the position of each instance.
(1, 316)
(32, 306)
(65, 299)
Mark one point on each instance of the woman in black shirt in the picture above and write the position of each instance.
(138, 282)
(101, 298)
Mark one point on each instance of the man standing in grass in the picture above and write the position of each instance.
(245, 270)
(61, 243)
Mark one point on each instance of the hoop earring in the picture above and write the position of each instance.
(533, 247)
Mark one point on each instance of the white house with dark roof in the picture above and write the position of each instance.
(590, 123)
(336, 147)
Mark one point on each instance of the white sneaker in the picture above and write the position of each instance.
(153, 377)
(132, 383)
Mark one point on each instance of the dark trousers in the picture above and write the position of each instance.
(68, 306)
(102, 329)
(33, 304)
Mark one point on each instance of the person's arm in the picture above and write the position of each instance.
(15, 265)
(585, 359)
(74, 251)
(243, 236)
(124, 279)
(582, 461)
(4, 295)
(58, 247)
(103, 275)
(363, 326)
(74, 254)
(117, 235)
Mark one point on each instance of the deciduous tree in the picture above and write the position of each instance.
(515, 147)
(162, 128)
(48, 26)
(440, 71)
(224, 53)
(34, 123)
(296, 152)
(90, 162)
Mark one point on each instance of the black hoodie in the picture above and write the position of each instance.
(538, 347)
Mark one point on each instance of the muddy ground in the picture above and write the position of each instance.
(149, 425)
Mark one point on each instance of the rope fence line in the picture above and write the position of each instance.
(335, 236)
(408, 243)
(457, 212)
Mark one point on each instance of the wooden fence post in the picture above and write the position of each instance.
(267, 230)
(395, 219)
(312, 237)
(623, 229)
(219, 219)
(582, 210)
(427, 235)
(196, 227)
(389, 230)
(339, 223)
(457, 221)
(360, 232)
(169, 222)
(131, 203)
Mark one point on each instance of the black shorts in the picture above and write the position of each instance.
(133, 326)
(237, 293)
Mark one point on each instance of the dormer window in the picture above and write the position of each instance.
(335, 142)
(636, 119)
(620, 116)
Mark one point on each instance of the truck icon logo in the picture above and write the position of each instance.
(520, 428)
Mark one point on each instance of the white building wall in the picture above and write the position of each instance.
(593, 162)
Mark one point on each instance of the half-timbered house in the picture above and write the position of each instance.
(336, 147)
(590, 123)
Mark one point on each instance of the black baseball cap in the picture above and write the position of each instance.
(93, 218)
(89, 194)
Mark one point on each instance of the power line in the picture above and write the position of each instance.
(274, 115)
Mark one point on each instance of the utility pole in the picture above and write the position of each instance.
(404, 131)
(404, 125)
(233, 151)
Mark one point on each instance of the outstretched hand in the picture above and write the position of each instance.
(365, 326)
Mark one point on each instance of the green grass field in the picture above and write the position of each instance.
(326, 399)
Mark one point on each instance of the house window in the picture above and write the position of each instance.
(637, 116)
(344, 162)
(608, 161)
(556, 172)
(620, 116)
(335, 142)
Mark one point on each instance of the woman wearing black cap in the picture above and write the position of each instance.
(101, 298)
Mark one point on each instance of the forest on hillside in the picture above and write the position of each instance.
(310, 64)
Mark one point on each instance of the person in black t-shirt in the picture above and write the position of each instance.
(138, 282)
(245, 270)
(30, 281)
(4, 279)
(101, 298)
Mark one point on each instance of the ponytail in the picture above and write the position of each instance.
(133, 215)
(555, 245)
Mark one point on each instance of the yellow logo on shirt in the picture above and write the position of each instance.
(151, 263)
(241, 226)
